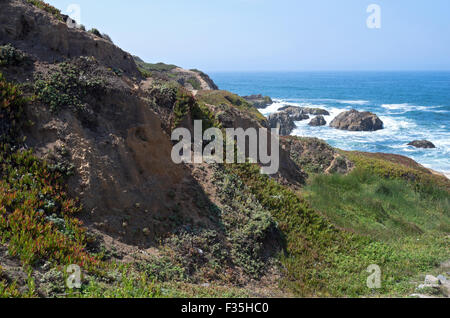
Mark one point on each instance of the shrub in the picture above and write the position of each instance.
(11, 110)
(95, 32)
(183, 105)
(67, 87)
(195, 83)
(9, 55)
(48, 8)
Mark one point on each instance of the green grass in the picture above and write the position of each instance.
(381, 208)
(322, 260)
(146, 69)
(218, 97)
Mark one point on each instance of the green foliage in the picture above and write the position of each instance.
(398, 167)
(95, 32)
(216, 97)
(184, 103)
(201, 255)
(195, 83)
(163, 94)
(9, 55)
(12, 105)
(382, 208)
(246, 223)
(36, 215)
(46, 7)
(121, 282)
(68, 87)
(322, 260)
(146, 69)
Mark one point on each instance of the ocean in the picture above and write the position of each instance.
(412, 105)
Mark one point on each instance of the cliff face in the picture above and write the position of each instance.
(120, 153)
(47, 38)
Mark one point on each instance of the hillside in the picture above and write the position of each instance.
(88, 179)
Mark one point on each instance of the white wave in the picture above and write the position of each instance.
(405, 107)
(353, 102)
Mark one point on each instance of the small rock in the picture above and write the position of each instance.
(422, 144)
(420, 296)
(296, 113)
(206, 285)
(442, 278)
(431, 280)
(428, 286)
(318, 121)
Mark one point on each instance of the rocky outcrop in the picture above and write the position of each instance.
(305, 110)
(318, 121)
(315, 156)
(422, 144)
(205, 77)
(282, 121)
(47, 38)
(433, 287)
(296, 113)
(316, 111)
(354, 120)
(259, 101)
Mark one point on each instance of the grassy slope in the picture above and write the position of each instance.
(219, 97)
(322, 260)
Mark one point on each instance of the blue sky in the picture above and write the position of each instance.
(276, 35)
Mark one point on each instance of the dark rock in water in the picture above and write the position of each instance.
(422, 144)
(354, 120)
(296, 113)
(316, 111)
(283, 121)
(305, 110)
(259, 101)
(318, 121)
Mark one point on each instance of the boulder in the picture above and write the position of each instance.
(283, 121)
(318, 121)
(354, 120)
(296, 113)
(430, 279)
(422, 144)
(316, 111)
(259, 101)
(305, 110)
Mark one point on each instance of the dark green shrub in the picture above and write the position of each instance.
(9, 55)
(95, 32)
(12, 105)
(67, 87)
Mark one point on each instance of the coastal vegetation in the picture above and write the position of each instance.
(203, 230)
